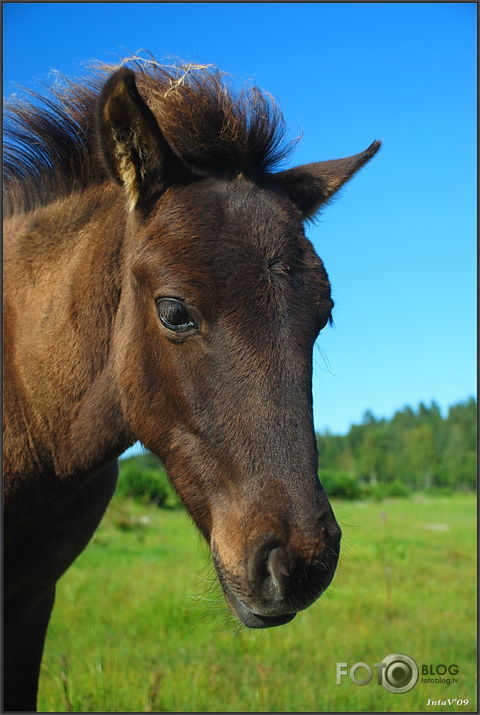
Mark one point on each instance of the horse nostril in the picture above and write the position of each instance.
(279, 569)
(277, 564)
(260, 573)
(282, 578)
(269, 568)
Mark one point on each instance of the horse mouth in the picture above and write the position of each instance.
(255, 620)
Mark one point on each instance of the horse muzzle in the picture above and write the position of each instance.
(280, 578)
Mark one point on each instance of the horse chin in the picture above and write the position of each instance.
(255, 620)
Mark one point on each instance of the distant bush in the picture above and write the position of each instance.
(146, 485)
(440, 491)
(340, 485)
(397, 489)
(388, 490)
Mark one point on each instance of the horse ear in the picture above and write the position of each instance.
(311, 185)
(133, 147)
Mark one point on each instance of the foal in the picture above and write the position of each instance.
(159, 287)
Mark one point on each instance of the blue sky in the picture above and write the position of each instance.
(400, 241)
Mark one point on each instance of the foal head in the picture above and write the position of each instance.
(222, 299)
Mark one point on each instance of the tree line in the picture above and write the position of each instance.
(415, 450)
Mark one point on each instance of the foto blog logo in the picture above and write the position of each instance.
(397, 673)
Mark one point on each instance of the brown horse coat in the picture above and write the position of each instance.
(159, 286)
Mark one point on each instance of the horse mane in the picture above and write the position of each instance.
(51, 145)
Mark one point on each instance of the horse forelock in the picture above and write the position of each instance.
(51, 145)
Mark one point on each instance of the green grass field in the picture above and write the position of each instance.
(140, 623)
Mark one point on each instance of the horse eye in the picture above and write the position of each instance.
(174, 315)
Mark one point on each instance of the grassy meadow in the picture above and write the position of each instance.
(140, 623)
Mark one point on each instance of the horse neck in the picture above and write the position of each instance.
(62, 288)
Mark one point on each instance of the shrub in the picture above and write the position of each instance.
(148, 486)
(340, 485)
(398, 489)
(387, 490)
(440, 491)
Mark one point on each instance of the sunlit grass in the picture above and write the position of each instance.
(140, 623)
